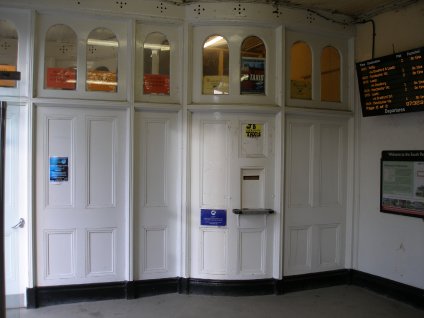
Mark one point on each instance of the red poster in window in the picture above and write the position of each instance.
(156, 84)
(61, 78)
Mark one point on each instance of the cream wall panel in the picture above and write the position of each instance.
(213, 253)
(252, 251)
(299, 249)
(12, 159)
(214, 164)
(101, 252)
(101, 141)
(155, 249)
(156, 157)
(329, 240)
(59, 134)
(60, 254)
(331, 163)
(10, 248)
(300, 165)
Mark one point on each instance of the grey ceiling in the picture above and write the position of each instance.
(355, 9)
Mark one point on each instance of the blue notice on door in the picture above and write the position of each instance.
(59, 169)
(213, 217)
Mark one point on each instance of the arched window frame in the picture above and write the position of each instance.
(253, 70)
(337, 97)
(59, 76)
(157, 82)
(216, 84)
(103, 78)
(8, 44)
(301, 87)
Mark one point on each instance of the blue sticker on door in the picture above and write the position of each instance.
(213, 217)
(59, 171)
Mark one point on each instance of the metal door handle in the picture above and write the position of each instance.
(20, 224)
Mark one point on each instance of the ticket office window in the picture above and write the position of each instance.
(8, 51)
(219, 74)
(159, 60)
(156, 64)
(60, 58)
(301, 71)
(215, 66)
(317, 71)
(330, 74)
(252, 66)
(102, 61)
(82, 57)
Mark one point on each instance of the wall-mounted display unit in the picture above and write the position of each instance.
(402, 182)
(392, 84)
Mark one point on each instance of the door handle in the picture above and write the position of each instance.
(20, 224)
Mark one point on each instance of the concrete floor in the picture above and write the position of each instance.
(340, 301)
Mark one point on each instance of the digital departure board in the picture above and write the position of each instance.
(392, 84)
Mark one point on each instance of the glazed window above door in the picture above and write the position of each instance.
(156, 64)
(102, 61)
(215, 66)
(60, 58)
(8, 50)
(301, 71)
(252, 66)
(330, 74)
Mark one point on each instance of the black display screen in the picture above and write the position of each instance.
(392, 84)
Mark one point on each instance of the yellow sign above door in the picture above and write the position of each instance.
(253, 130)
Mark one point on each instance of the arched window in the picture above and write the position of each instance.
(330, 74)
(252, 66)
(301, 71)
(8, 50)
(60, 58)
(102, 61)
(156, 64)
(215, 66)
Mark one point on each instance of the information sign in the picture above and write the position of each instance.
(59, 169)
(402, 182)
(213, 217)
(392, 84)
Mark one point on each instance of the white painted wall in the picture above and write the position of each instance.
(389, 245)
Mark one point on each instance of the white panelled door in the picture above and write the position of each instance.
(232, 167)
(16, 205)
(81, 195)
(157, 195)
(315, 195)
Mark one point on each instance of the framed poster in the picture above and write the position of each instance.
(59, 169)
(402, 182)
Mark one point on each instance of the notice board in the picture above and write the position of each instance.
(402, 182)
